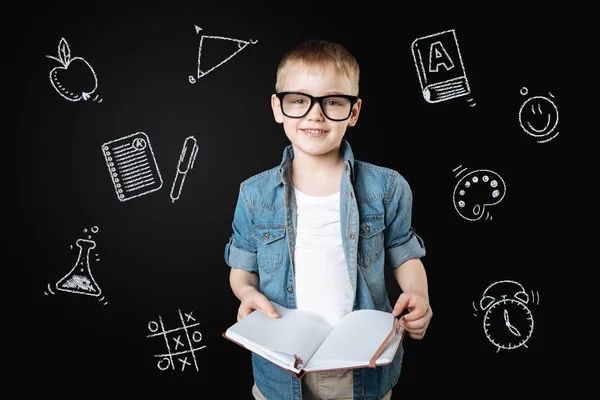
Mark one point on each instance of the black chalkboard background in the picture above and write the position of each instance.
(158, 258)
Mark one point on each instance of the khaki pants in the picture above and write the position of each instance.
(333, 385)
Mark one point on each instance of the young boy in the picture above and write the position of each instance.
(316, 231)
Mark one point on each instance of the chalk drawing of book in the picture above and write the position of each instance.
(440, 67)
(132, 166)
(220, 50)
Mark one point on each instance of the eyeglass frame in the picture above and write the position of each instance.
(319, 99)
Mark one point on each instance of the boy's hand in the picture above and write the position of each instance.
(419, 313)
(255, 300)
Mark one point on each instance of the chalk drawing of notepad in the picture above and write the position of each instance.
(132, 166)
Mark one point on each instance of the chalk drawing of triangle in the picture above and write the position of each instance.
(215, 51)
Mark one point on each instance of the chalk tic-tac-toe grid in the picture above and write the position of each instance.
(181, 343)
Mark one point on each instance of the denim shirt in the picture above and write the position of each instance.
(375, 216)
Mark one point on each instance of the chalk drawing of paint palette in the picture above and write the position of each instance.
(476, 191)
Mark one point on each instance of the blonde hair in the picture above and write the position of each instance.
(319, 54)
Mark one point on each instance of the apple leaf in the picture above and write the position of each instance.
(64, 52)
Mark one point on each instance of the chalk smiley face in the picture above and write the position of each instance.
(538, 117)
(477, 190)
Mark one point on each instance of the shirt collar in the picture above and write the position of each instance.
(285, 168)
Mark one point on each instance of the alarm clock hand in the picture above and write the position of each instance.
(514, 330)
(510, 326)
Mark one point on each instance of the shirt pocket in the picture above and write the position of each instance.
(370, 239)
(269, 247)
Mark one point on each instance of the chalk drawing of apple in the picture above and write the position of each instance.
(75, 78)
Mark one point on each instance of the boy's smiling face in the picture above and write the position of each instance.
(314, 134)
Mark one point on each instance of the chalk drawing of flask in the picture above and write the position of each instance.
(79, 279)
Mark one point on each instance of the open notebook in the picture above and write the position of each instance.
(303, 341)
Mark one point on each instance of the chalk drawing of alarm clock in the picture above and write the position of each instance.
(508, 321)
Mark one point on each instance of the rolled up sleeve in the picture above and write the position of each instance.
(240, 250)
(401, 241)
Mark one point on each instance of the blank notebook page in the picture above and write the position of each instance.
(356, 338)
(293, 333)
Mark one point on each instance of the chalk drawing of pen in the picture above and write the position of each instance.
(185, 163)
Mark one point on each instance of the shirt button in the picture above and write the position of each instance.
(266, 235)
(289, 289)
(352, 236)
(367, 228)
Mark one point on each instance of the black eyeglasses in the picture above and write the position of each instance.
(336, 107)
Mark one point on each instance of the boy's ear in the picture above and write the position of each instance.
(355, 113)
(276, 106)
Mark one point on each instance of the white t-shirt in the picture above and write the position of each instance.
(322, 280)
